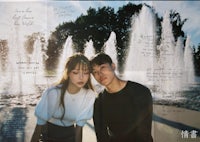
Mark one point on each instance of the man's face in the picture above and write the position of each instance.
(103, 73)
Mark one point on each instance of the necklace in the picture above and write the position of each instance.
(72, 97)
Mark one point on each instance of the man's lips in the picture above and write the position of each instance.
(102, 79)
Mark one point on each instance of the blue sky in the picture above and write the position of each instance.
(47, 15)
(187, 9)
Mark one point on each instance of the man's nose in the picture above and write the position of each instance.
(100, 73)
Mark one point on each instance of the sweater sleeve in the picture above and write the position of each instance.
(143, 107)
(46, 106)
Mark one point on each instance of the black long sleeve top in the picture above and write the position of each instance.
(124, 116)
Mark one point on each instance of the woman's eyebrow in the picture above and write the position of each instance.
(93, 70)
(81, 69)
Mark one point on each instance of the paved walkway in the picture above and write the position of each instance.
(17, 124)
(169, 122)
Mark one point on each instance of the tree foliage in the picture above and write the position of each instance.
(197, 60)
(177, 24)
(97, 25)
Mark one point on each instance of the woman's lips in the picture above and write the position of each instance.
(80, 83)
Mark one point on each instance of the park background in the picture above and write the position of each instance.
(37, 36)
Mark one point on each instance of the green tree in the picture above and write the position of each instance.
(177, 24)
(122, 29)
(197, 60)
(96, 25)
(56, 43)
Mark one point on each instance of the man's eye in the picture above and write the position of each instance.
(94, 72)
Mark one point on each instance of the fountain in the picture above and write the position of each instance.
(160, 67)
(89, 52)
(163, 68)
(141, 55)
(67, 52)
(178, 64)
(166, 58)
(110, 46)
(36, 63)
(188, 66)
(13, 75)
(89, 49)
(23, 71)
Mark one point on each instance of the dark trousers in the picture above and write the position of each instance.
(55, 133)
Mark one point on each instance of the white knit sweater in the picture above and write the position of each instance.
(78, 107)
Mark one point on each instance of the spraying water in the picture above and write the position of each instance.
(188, 64)
(110, 47)
(166, 56)
(161, 67)
(67, 52)
(89, 49)
(141, 54)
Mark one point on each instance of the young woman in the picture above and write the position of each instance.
(64, 108)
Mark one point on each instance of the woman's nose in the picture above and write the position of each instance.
(81, 75)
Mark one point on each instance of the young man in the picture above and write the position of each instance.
(123, 110)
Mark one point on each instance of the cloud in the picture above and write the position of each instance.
(186, 9)
(27, 17)
(47, 15)
(78, 6)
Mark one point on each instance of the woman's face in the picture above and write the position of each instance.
(79, 76)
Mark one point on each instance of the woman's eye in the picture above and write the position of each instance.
(86, 73)
(75, 72)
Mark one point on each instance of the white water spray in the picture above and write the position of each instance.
(66, 53)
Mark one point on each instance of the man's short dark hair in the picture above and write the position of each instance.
(101, 58)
